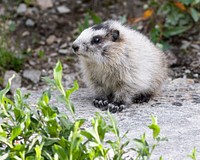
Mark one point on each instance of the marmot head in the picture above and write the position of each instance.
(98, 42)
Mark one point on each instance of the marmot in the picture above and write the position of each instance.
(120, 64)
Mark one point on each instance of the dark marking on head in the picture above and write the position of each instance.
(115, 35)
(100, 26)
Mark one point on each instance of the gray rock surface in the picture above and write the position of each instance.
(177, 111)
(44, 4)
(30, 23)
(63, 9)
(32, 74)
(22, 8)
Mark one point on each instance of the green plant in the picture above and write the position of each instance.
(193, 154)
(8, 58)
(90, 15)
(172, 18)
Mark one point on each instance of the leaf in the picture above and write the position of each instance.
(195, 14)
(180, 6)
(148, 13)
(172, 31)
(4, 91)
(95, 18)
(38, 150)
(4, 157)
(71, 90)
(193, 154)
(6, 141)
(15, 132)
(154, 127)
(57, 73)
(62, 154)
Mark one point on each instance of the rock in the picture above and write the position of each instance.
(63, 51)
(63, 9)
(32, 74)
(2, 10)
(26, 33)
(64, 45)
(185, 44)
(30, 23)
(171, 58)
(44, 4)
(16, 82)
(22, 8)
(51, 39)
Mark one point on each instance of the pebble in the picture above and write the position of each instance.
(16, 82)
(2, 10)
(177, 104)
(51, 39)
(22, 8)
(63, 51)
(187, 71)
(44, 4)
(30, 23)
(25, 33)
(64, 45)
(32, 74)
(63, 9)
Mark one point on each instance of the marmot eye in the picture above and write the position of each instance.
(96, 40)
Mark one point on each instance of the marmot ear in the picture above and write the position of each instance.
(115, 35)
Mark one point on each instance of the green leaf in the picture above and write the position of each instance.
(94, 17)
(58, 76)
(15, 132)
(4, 157)
(6, 141)
(71, 90)
(38, 150)
(154, 127)
(195, 14)
(172, 31)
(193, 154)
(62, 154)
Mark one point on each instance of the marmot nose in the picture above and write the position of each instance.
(75, 47)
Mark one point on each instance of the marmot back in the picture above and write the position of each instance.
(120, 65)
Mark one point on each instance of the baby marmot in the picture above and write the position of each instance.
(120, 64)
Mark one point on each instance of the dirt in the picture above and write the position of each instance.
(53, 32)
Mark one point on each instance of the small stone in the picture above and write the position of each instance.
(51, 39)
(32, 74)
(63, 9)
(185, 44)
(22, 8)
(190, 81)
(187, 71)
(196, 75)
(196, 46)
(2, 10)
(45, 4)
(63, 51)
(16, 82)
(53, 54)
(26, 33)
(177, 104)
(30, 23)
(64, 45)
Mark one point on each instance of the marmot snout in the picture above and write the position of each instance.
(119, 64)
